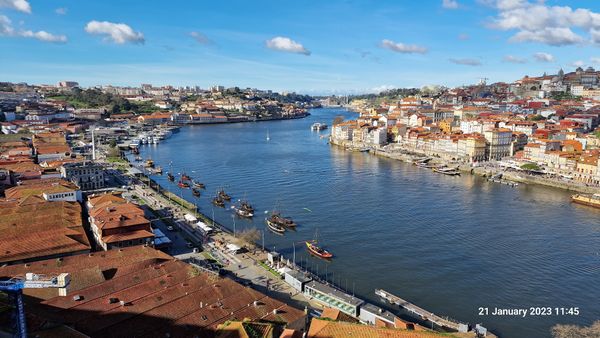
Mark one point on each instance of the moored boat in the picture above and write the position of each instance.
(158, 170)
(244, 213)
(275, 227)
(447, 171)
(244, 205)
(183, 184)
(587, 199)
(149, 163)
(222, 194)
(170, 177)
(314, 249)
(195, 192)
(185, 177)
(218, 201)
(198, 184)
(282, 221)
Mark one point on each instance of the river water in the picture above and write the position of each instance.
(448, 244)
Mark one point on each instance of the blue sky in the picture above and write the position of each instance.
(306, 46)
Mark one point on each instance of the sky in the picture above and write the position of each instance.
(309, 46)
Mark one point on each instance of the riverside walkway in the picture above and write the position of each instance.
(422, 313)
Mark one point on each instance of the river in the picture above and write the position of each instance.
(448, 244)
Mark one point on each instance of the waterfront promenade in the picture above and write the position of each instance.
(486, 169)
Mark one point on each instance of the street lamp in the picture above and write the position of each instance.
(233, 217)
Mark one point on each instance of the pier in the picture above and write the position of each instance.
(422, 313)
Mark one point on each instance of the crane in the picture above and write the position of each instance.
(14, 288)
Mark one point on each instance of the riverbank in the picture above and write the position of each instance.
(486, 171)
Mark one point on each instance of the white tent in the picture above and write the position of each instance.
(233, 248)
(205, 228)
(190, 218)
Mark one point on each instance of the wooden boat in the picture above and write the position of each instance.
(158, 170)
(149, 163)
(589, 200)
(182, 184)
(218, 201)
(244, 213)
(244, 205)
(198, 184)
(170, 177)
(314, 249)
(275, 227)
(185, 177)
(195, 192)
(447, 171)
(282, 221)
(224, 195)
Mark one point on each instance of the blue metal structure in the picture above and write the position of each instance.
(14, 289)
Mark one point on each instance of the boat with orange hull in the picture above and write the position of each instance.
(318, 251)
(183, 184)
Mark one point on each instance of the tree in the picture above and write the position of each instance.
(250, 236)
(574, 331)
(113, 152)
(112, 143)
(530, 166)
(537, 118)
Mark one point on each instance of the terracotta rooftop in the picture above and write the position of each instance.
(33, 228)
(144, 292)
(40, 186)
(320, 328)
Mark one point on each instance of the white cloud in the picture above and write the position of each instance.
(578, 63)
(538, 22)
(200, 38)
(284, 44)
(402, 48)
(543, 57)
(514, 59)
(19, 5)
(44, 36)
(61, 11)
(119, 33)
(450, 4)
(6, 29)
(553, 36)
(595, 60)
(466, 62)
(595, 34)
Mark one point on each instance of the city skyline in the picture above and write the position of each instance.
(339, 47)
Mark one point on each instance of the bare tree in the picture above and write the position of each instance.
(574, 331)
(249, 236)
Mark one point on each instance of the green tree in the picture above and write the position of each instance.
(537, 118)
(112, 143)
(530, 166)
